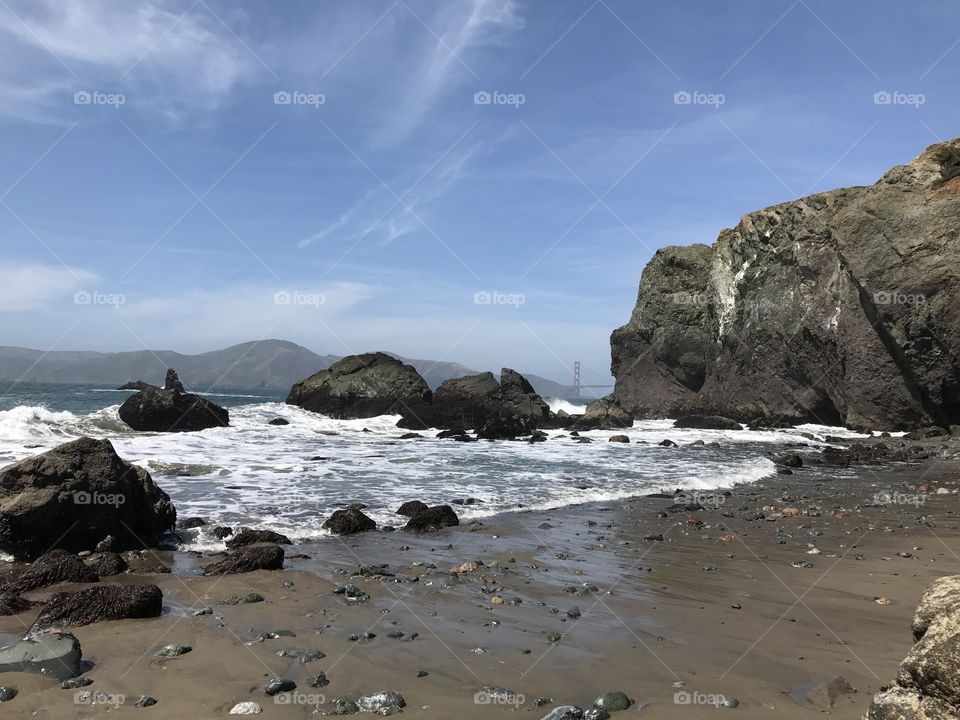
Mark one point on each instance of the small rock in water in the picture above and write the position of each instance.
(172, 651)
(802, 564)
(565, 712)
(541, 701)
(344, 706)
(246, 708)
(318, 681)
(75, 683)
(145, 701)
(596, 714)
(573, 612)
(312, 656)
(203, 611)
(613, 702)
(7, 694)
(422, 673)
(276, 686)
(378, 702)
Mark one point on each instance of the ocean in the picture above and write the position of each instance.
(290, 478)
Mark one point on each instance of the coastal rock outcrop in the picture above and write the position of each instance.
(97, 604)
(171, 409)
(56, 566)
(477, 400)
(432, 519)
(363, 386)
(74, 496)
(839, 308)
(247, 558)
(927, 686)
(53, 654)
(605, 414)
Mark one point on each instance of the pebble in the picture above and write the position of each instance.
(145, 701)
(565, 712)
(380, 701)
(172, 651)
(246, 708)
(573, 612)
(279, 685)
(613, 701)
(802, 564)
(203, 611)
(312, 656)
(344, 706)
(318, 681)
(76, 683)
(7, 694)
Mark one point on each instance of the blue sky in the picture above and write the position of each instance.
(191, 174)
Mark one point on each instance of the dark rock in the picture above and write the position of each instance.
(318, 681)
(505, 428)
(248, 558)
(76, 683)
(106, 564)
(13, 604)
(432, 519)
(97, 604)
(831, 309)
(476, 401)
(53, 654)
(7, 693)
(279, 422)
(136, 385)
(791, 461)
(455, 433)
(277, 685)
(707, 422)
(349, 522)
(605, 414)
(613, 702)
(222, 531)
(246, 536)
(171, 409)
(565, 712)
(411, 508)
(364, 386)
(75, 495)
(191, 522)
(145, 701)
(57, 566)
(410, 436)
(667, 443)
(619, 439)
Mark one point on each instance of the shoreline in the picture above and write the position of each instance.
(661, 611)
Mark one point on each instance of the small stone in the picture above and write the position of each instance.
(203, 611)
(380, 701)
(172, 651)
(246, 708)
(278, 685)
(573, 612)
(613, 702)
(344, 706)
(318, 681)
(75, 683)
(312, 656)
(422, 673)
(565, 712)
(145, 701)
(7, 694)
(496, 600)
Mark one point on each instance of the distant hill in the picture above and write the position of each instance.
(273, 364)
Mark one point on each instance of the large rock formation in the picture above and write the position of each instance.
(927, 686)
(74, 496)
(839, 308)
(473, 401)
(363, 386)
(171, 409)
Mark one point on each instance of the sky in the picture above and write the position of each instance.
(480, 181)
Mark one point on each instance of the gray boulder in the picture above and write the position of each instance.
(478, 400)
(171, 409)
(605, 414)
(927, 685)
(839, 308)
(54, 654)
(363, 386)
(74, 496)
(98, 604)
(349, 522)
(432, 519)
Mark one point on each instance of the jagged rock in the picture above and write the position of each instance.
(605, 414)
(13, 604)
(53, 654)
(56, 566)
(480, 400)
(106, 564)
(840, 308)
(135, 385)
(381, 702)
(411, 508)
(247, 559)
(170, 409)
(707, 422)
(75, 495)
(246, 536)
(927, 685)
(349, 522)
(363, 386)
(97, 604)
(619, 439)
(432, 519)
(191, 522)
(505, 428)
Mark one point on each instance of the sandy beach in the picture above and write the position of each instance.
(566, 605)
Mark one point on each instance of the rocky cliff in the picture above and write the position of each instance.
(839, 308)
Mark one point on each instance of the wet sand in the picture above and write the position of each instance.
(715, 608)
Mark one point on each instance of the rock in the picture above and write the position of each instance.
(707, 422)
(379, 702)
(246, 708)
(504, 428)
(480, 400)
(344, 706)
(145, 701)
(927, 685)
(318, 681)
(248, 559)
(74, 496)
(605, 414)
(191, 522)
(365, 386)
(619, 439)
(565, 712)
(222, 531)
(349, 522)
(56, 566)
(171, 409)
(279, 422)
(792, 461)
(54, 654)
(172, 651)
(106, 564)
(246, 536)
(829, 692)
(573, 612)
(13, 604)
(410, 436)
(136, 385)
(613, 702)
(278, 685)
(411, 508)
(98, 604)
(76, 683)
(7, 693)
(432, 519)
(829, 309)
(667, 443)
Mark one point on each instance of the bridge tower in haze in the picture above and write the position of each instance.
(576, 378)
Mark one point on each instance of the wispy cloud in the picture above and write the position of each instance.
(32, 286)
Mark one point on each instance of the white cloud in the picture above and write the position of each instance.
(28, 287)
